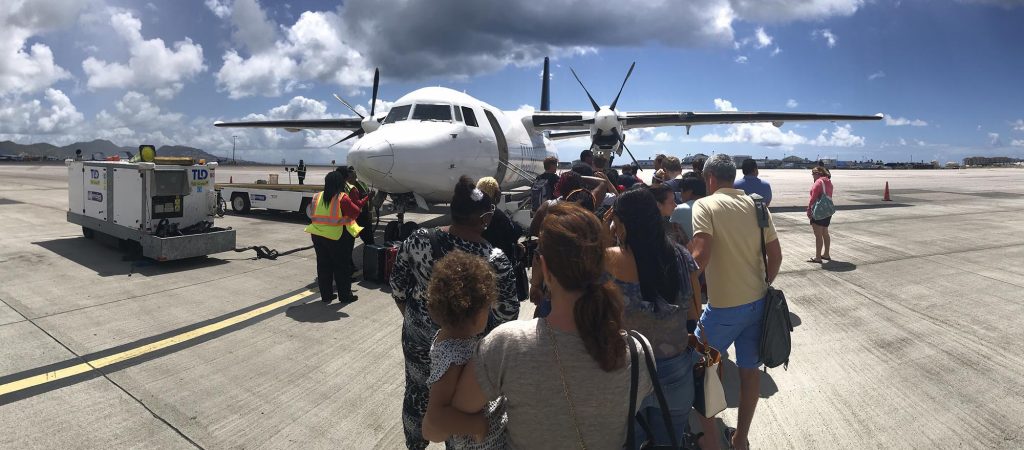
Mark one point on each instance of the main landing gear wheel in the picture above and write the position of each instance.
(240, 203)
(407, 229)
(392, 231)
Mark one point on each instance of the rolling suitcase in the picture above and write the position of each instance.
(389, 260)
(374, 258)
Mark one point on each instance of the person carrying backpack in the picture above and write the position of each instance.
(544, 185)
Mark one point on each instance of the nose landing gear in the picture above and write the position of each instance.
(397, 230)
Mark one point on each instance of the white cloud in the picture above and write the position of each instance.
(994, 140)
(768, 135)
(827, 35)
(724, 105)
(662, 137)
(839, 136)
(31, 68)
(776, 51)
(756, 133)
(741, 59)
(151, 66)
(791, 10)
(892, 121)
(791, 103)
(137, 111)
(220, 8)
(1017, 126)
(32, 118)
(312, 49)
(876, 75)
(762, 39)
(1017, 142)
(252, 28)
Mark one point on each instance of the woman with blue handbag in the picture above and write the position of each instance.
(820, 210)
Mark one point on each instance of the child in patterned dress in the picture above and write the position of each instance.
(462, 290)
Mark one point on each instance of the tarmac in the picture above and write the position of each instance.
(910, 338)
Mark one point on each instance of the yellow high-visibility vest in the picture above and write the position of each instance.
(328, 221)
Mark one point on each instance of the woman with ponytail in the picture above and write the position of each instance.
(471, 212)
(658, 280)
(566, 377)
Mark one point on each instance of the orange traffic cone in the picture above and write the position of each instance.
(886, 198)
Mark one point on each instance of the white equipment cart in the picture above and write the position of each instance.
(166, 209)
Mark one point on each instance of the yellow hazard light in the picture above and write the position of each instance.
(147, 152)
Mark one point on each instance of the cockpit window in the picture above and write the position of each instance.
(398, 113)
(470, 117)
(458, 114)
(432, 112)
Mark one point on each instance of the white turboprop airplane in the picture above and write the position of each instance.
(433, 135)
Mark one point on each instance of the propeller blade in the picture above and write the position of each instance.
(349, 106)
(376, 84)
(592, 102)
(623, 144)
(356, 133)
(616, 101)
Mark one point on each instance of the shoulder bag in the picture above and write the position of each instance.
(823, 207)
(776, 327)
(631, 417)
(709, 395)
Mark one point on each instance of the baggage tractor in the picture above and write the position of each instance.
(374, 259)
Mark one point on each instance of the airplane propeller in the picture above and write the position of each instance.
(369, 123)
(606, 119)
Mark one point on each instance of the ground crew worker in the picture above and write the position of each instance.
(364, 218)
(301, 171)
(333, 214)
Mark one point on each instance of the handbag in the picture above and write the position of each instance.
(634, 377)
(709, 395)
(522, 281)
(776, 326)
(823, 208)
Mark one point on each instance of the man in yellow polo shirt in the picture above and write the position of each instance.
(727, 246)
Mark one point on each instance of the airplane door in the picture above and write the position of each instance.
(499, 137)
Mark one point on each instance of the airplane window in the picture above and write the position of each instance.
(470, 117)
(441, 113)
(458, 114)
(398, 113)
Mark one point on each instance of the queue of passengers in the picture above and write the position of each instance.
(608, 259)
(614, 254)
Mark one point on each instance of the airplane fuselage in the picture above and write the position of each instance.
(434, 135)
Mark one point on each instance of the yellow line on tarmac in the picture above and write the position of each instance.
(98, 363)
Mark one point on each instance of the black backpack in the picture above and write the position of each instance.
(776, 342)
(539, 193)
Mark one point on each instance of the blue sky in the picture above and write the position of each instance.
(946, 73)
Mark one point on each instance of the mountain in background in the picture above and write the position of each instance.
(101, 148)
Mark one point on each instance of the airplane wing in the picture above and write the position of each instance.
(574, 120)
(568, 135)
(348, 123)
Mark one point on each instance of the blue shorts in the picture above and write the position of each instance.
(740, 325)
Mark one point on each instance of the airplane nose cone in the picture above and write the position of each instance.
(373, 159)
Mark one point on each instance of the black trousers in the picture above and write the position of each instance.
(302, 177)
(334, 265)
(364, 221)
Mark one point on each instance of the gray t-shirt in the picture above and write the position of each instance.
(516, 360)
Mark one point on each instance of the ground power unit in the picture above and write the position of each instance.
(164, 210)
